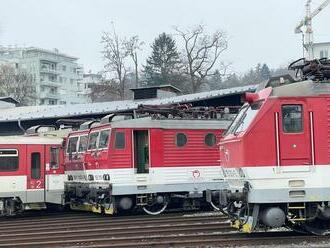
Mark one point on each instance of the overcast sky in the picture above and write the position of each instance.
(258, 30)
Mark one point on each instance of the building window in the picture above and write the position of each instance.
(210, 139)
(104, 138)
(52, 78)
(92, 142)
(181, 139)
(8, 160)
(53, 90)
(52, 102)
(35, 165)
(54, 157)
(63, 68)
(72, 145)
(292, 118)
(120, 140)
(324, 54)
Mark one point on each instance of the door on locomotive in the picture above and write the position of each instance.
(141, 151)
(45, 173)
(294, 132)
(35, 159)
(54, 174)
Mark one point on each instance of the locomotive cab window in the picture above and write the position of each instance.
(181, 139)
(292, 118)
(104, 138)
(8, 160)
(210, 139)
(72, 145)
(120, 140)
(82, 147)
(92, 142)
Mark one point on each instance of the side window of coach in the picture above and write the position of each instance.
(8, 159)
(120, 140)
(35, 165)
(54, 157)
(292, 118)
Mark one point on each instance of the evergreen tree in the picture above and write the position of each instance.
(163, 66)
(265, 72)
(215, 81)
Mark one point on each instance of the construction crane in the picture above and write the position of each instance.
(307, 22)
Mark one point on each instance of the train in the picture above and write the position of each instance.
(31, 171)
(146, 161)
(275, 155)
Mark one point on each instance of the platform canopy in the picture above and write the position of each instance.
(48, 114)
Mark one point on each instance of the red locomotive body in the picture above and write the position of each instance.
(147, 163)
(31, 172)
(275, 156)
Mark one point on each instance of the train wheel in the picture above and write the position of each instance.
(155, 209)
(317, 227)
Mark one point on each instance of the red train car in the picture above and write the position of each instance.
(275, 155)
(146, 163)
(31, 172)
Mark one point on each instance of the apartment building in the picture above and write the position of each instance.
(321, 50)
(88, 80)
(58, 76)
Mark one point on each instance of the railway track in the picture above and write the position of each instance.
(171, 230)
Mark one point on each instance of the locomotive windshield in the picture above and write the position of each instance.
(244, 117)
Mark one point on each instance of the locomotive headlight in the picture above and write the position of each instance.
(106, 177)
(90, 177)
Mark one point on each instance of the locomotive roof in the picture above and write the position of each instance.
(171, 123)
(304, 88)
(29, 140)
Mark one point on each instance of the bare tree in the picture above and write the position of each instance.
(115, 54)
(132, 46)
(105, 91)
(18, 84)
(201, 53)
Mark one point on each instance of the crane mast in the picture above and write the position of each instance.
(307, 22)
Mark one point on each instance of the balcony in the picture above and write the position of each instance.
(48, 71)
(49, 95)
(49, 83)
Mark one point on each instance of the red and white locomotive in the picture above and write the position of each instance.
(31, 171)
(146, 163)
(276, 155)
